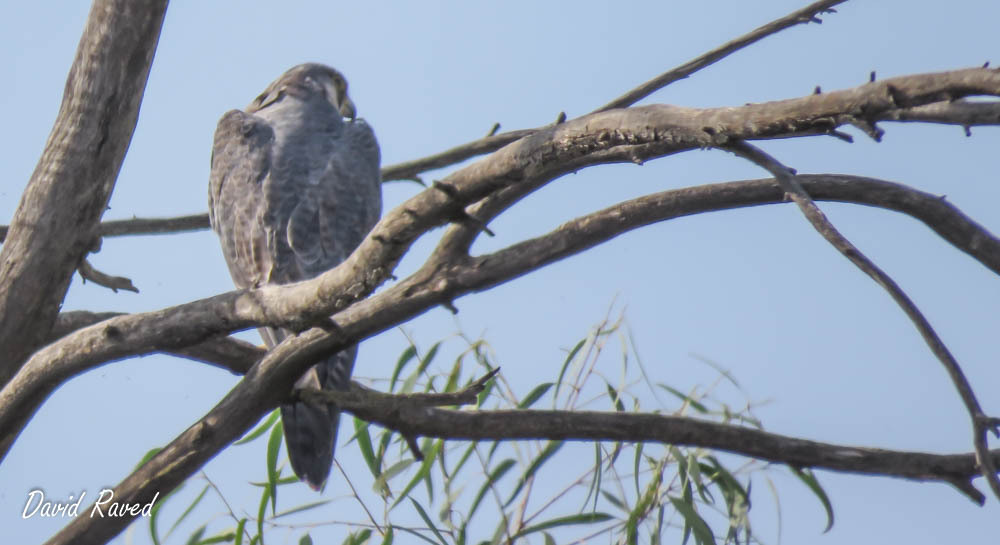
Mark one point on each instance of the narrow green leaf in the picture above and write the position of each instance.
(383, 445)
(421, 369)
(456, 372)
(655, 538)
(808, 477)
(565, 365)
(694, 470)
(500, 532)
(306, 540)
(239, 531)
(259, 430)
(724, 479)
(595, 483)
(615, 399)
(582, 518)
(382, 482)
(682, 463)
(273, 446)
(187, 511)
(418, 534)
(614, 500)
(463, 459)
(695, 404)
(428, 357)
(147, 457)
(196, 536)
(404, 358)
(221, 538)
(154, 514)
(493, 448)
(534, 395)
(550, 449)
(428, 521)
(360, 537)
(548, 539)
(644, 503)
(702, 532)
(635, 466)
(430, 451)
(300, 508)
(494, 476)
(365, 445)
(291, 479)
(389, 536)
(481, 397)
(261, 511)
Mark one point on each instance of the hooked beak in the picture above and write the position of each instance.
(347, 109)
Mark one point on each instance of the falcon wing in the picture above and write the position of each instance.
(241, 160)
(340, 201)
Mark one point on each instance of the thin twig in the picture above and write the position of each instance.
(347, 479)
(805, 15)
(786, 177)
(114, 283)
(493, 142)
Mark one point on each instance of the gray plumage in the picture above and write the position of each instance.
(294, 189)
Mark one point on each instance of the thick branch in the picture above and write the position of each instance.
(56, 222)
(957, 112)
(224, 352)
(269, 381)
(420, 420)
(148, 332)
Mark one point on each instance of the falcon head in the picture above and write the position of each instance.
(305, 81)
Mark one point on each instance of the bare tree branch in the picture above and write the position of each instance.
(76, 173)
(154, 226)
(268, 382)
(621, 135)
(417, 418)
(16, 401)
(959, 112)
(808, 14)
(492, 142)
(981, 423)
(114, 283)
(224, 352)
(410, 169)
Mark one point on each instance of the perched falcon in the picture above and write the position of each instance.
(294, 189)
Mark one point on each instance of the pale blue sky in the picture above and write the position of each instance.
(757, 290)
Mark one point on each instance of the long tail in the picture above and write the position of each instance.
(311, 430)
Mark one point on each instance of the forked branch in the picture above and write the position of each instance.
(981, 423)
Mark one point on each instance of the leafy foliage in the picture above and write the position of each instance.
(489, 492)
